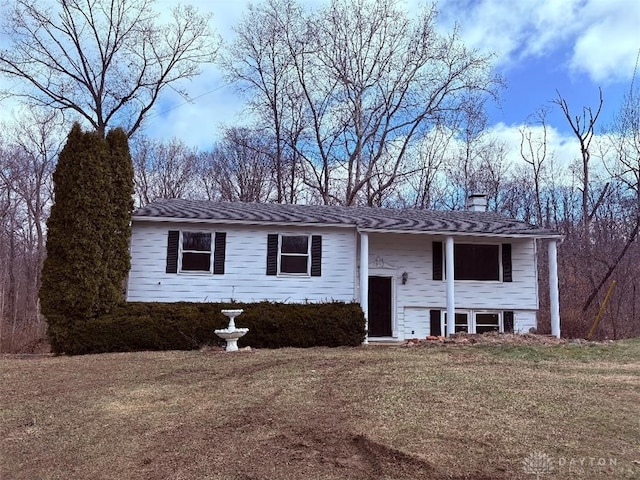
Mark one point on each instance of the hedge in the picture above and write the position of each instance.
(186, 326)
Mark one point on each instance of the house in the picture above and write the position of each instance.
(198, 251)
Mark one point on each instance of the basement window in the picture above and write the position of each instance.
(487, 322)
(461, 325)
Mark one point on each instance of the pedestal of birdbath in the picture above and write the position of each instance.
(231, 334)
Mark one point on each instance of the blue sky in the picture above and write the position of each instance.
(540, 46)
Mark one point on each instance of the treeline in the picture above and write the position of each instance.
(242, 167)
(350, 103)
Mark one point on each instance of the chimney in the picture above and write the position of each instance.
(477, 202)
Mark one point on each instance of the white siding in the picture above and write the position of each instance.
(417, 322)
(523, 321)
(412, 253)
(245, 278)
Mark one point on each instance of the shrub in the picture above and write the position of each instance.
(186, 326)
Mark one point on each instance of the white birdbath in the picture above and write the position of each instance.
(231, 334)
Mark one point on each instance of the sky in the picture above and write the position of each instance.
(541, 48)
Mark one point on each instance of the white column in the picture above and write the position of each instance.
(553, 289)
(451, 304)
(364, 280)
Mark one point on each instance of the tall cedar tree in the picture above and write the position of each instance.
(88, 234)
(117, 235)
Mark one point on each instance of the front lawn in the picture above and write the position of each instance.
(476, 412)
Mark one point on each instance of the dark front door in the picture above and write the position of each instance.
(379, 306)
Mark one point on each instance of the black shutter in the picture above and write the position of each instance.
(172, 251)
(434, 320)
(507, 272)
(437, 260)
(272, 254)
(316, 256)
(507, 321)
(219, 253)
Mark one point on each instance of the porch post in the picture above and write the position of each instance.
(553, 288)
(364, 281)
(451, 304)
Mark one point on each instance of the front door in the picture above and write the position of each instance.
(380, 306)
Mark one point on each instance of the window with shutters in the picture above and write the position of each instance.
(294, 254)
(476, 262)
(297, 255)
(195, 252)
(479, 262)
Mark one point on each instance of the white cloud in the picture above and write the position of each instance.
(563, 148)
(608, 46)
(600, 37)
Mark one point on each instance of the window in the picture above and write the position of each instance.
(482, 322)
(487, 322)
(294, 254)
(196, 252)
(461, 325)
(192, 252)
(476, 262)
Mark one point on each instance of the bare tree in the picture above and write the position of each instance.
(624, 140)
(583, 127)
(241, 168)
(371, 81)
(426, 162)
(465, 156)
(258, 60)
(493, 172)
(103, 61)
(27, 159)
(533, 150)
(164, 170)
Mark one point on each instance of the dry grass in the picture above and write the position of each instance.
(473, 412)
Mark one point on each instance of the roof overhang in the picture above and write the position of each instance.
(215, 221)
(145, 218)
(465, 234)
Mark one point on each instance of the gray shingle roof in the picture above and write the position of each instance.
(364, 218)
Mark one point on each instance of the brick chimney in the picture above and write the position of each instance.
(477, 202)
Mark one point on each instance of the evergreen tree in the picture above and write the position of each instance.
(118, 231)
(88, 234)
